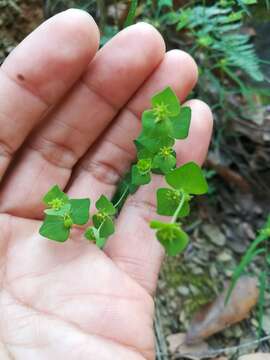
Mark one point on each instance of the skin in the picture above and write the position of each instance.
(68, 115)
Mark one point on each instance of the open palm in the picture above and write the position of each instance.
(68, 115)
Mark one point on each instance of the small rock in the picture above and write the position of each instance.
(255, 323)
(238, 332)
(237, 245)
(214, 234)
(247, 344)
(247, 229)
(266, 323)
(258, 356)
(183, 290)
(224, 257)
(228, 273)
(213, 271)
(195, 291)
(177, 345)
(197, 270)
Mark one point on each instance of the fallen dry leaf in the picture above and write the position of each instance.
(258, 356)
(216, 316)
(193, 352)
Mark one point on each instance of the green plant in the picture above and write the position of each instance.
(260, 246)
(132, 12)
(165, 122)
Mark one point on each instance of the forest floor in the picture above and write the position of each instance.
(222, 226)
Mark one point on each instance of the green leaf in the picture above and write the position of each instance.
(249, 2)
(93, 234)
(154, 224)
(105, 205)
(153, 142)
(80, 211)
(167, 97)
(101, 242)
(153, 129)
(55, 193)
(165, 3)
(107, 228)
(148, 121)
(104, 224)
(176, 245)
(65, 209)
(138, 178)
(131, 13)
(165, 164)
(189, 178)
(184, 210)
(53, 228)
(167, 201)
(181, 124)
(142, 151)
(171, 236)
(235, 16)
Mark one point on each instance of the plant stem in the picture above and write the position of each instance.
(102, 14)
(175, 215)
(121, 197)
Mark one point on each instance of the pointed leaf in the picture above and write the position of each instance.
(55, 193)
(105, 205)
(155, 140)
(107, 228)
(181, 123)
(168, 97)
(167, 201)
(189, 178)
(98, 220)
(80, 211)
(53, 228)
(176, 244)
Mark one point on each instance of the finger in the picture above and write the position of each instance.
(104, 165)
(38, 72)
(118, 69)
(134, 246)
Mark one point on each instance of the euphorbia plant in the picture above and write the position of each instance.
(164, 123)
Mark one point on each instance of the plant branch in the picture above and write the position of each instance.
(175, 215)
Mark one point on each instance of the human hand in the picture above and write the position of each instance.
(68, 115)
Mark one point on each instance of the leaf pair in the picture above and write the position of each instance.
(103, 225)
(166, 119)
(186, 180)
(62, 214)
